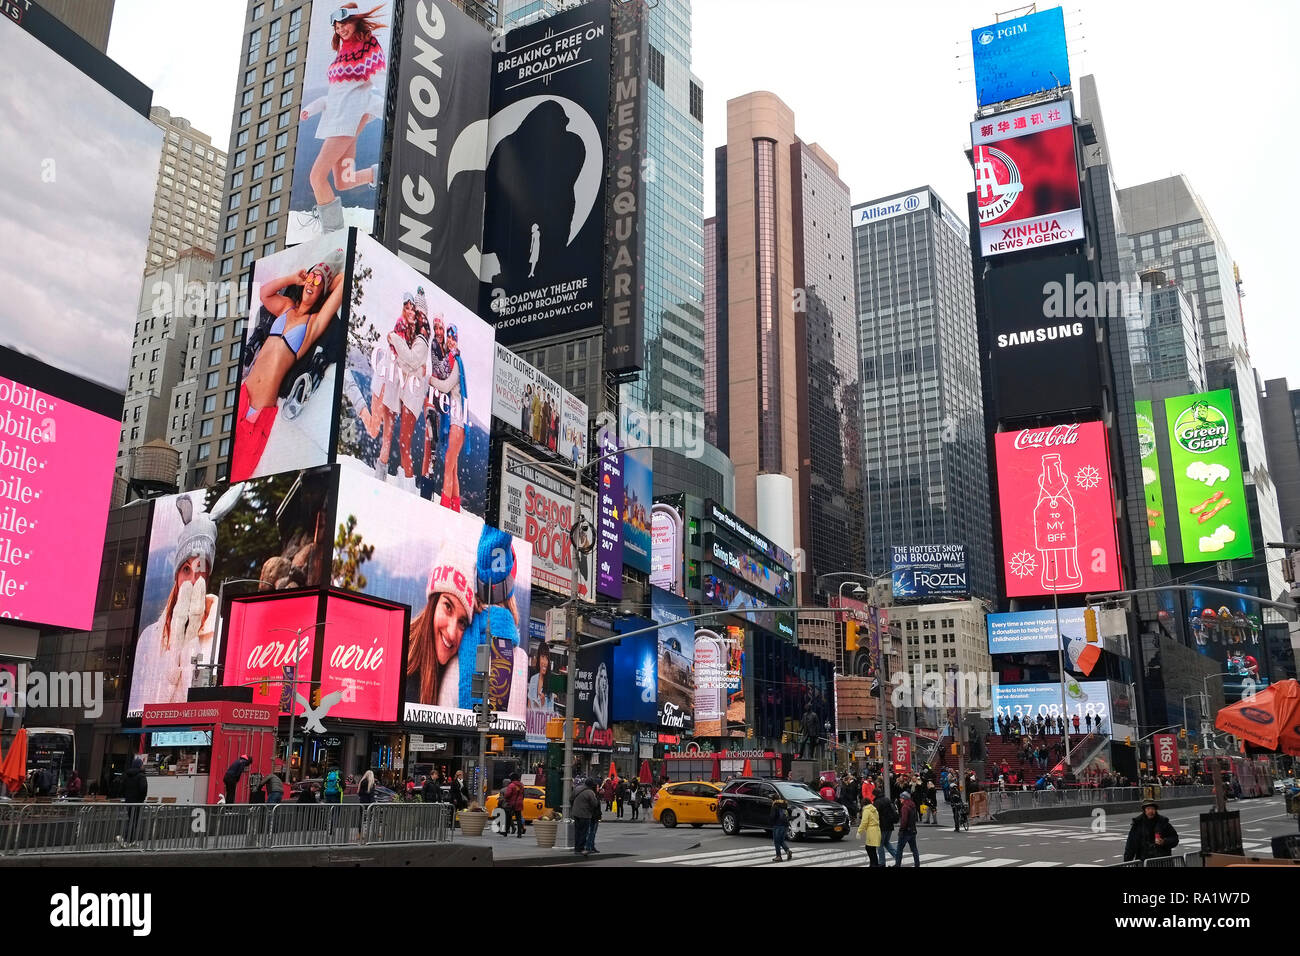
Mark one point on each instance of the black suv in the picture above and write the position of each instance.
(747, 802)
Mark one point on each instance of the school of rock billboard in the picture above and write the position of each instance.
(1057, 506)
(544, 218)
(537, 506)
(533, 403)
(336, 170)
(433, 216)
(1027, 179)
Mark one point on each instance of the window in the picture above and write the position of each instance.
(223, 449)
(268, 86)
(268, 249)
(295, 22)
(228, 245)
(214, 357)
(283, 120)
(214, 380)
(209, 404)
(135, 434)
(270, 67)
(656, 66)
(227, 264)
(259, 150)
(277, 163)
(247, 98)
(218, 334)
(265, 108)
(282, 141)
(240, 140)
(259, 170)
(277, 183)
(246, 259)
(245, 117)
(236, 349)
(229, 401)
(697, 101)
(205, 429)
(258, 11)
(232, 222)
(239, 158)
(292, 56)
(232, 375)
(285, 98)
(205, 451)
(263, 127)
(273, 205)
(227, 423)
(250, 235)
(287, 80)
(272, 228)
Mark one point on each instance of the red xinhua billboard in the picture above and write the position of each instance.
(1058, 516)
(1026, 179)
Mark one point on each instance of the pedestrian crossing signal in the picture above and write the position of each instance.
(1090, 625)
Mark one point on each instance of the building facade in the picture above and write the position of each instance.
(1280, 408)
(924, 459)
(191, 184)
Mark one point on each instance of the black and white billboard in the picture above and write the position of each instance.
(434, 213)
(544, 219)
(1043, 336)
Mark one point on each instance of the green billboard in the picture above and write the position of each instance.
(1213, 519)
(1151, 483)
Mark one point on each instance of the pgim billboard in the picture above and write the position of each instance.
(1021, 56)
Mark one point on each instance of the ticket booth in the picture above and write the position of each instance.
(234, 728)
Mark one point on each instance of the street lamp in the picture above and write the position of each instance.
(211, 665)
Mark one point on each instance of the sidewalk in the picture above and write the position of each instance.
(615, 838)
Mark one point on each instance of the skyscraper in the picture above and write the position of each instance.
(785, 334)
(924, 461)
(191, 181)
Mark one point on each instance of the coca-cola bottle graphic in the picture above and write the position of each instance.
(1056, 533)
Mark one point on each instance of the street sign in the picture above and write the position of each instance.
(484, 720)
(556, 629)
(478, 685)
(478, 707)
(483, 658)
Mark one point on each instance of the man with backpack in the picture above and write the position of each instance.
(333, 787)
(512, 799)
(888, 817)
(907, 822)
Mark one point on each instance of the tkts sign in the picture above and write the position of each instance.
(1166, 753)
(901, 750)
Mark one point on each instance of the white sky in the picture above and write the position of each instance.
(887, 89)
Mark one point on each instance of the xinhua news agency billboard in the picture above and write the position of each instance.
(1019, 57)
(926, 570)
(1026, 179)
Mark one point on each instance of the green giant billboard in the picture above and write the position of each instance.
(1156, 518)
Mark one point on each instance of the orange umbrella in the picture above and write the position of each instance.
(748, 771)
(13, 769)
(1271, 720)
(613, 770)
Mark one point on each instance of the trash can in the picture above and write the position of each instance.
(1221, 832)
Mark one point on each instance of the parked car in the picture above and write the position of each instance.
(534, 803)
(1285, 785)
(688, 801)
(746, 803)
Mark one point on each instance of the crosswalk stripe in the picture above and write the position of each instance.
(1043, 863)
(1085, 864)
(691, 858)
(1000, 861)
(818, 858)
(955, 861)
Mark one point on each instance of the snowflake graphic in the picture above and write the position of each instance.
(1088, 478)
(1023, 564)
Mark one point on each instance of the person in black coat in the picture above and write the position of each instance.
(888, 817)
(1151, 835)
(135, 788)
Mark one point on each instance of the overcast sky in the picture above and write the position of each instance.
(1194, 87)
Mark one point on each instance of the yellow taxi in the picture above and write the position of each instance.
(687, 801)
(534, 803)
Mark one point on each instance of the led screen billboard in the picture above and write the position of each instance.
(361, 658)
(467, 584)
(1030, 631)
(297, 327)
(1213, 520)
(537, 506)
(534, 404)
(434, 214)
(593, 701)
(336, 169)
(667, 544)
(676, 662)
(544, 217)
(417, 387)
(1057, 505)
(273, 530)
(719, 666)
(1043, 354)
(1018, 57)
(544, 701)
(273, 639)
(1148, 447)
(788, 682)
(1030, 700)
(1026, 179)
(609, 527)
(1230, 632)
(923, 571)
(768, 577)
(636, 673)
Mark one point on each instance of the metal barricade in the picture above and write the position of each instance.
(409, 823)
(314, 824)
(112, 826)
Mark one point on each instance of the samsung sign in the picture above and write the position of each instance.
(1019, 57)
(889, 208)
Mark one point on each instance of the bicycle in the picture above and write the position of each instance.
(963, 817)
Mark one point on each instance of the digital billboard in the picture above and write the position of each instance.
(292, 345)
(1148, 446)
(1030, 631)
(537, 506)
(787, 682)
(336, 169)
(636, 673)
(1057, 505)
(676, 662)
(719, 697)
(1213, 519)
(1030, 700)
(1043, 357)
(433, 218)
(361, 658)
(544, 217)
(417, 387)
(273, 530)
(1019, 57)
(638, 500)
(1230, 632)
(272, 638)
(667, 544)
(531, 402)
(922, 571)
(467, 584)
(544, 702)
(1026, 179)
(609, 527)
(1165, 747)
(593, 700)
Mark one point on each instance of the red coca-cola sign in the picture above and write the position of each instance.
(1166, 746)
(361, 657)
(901, 750)
(1058, 515)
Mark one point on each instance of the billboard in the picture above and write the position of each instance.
(268, 638)
(1058, 515)
(417, 387)
(274, 530)
(1030, 631)
(1165, 747)
(336, 167)
(531, 402)
(676, 662)
(1030, 700)
(1043, 359)
(609, 529)
(1230, 632)
(786, 683)
(1209, 488)
(543, 703)
(295, 336)
(768, 577)
(433, 216)
(463, 581)
(1026, 179)
(1148, 447)
(922, 571)
(56, 481)
(537, 506)
(1019, 57)
(544, 221)
(636, 673)
(719, 697)
(900, 751)
(361, 658)
(667, 544)
(638, 500)
(593, 701)
(889, 208)
(80, 168)
(625, 196)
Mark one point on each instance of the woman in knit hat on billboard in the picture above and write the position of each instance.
(163, 671)
(438, 632)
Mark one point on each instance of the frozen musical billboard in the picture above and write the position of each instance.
(1026, 178)
(1058, 517)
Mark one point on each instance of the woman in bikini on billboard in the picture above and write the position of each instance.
(304, 305)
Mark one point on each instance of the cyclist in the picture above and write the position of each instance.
(960, 815)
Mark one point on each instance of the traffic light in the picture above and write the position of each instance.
(1182, 733)
(1195, 749)
(1090, 625)
(496, 745)
(953, 750)
(555, 728)
(315, 697)
(264, 687)
(1128, 741)
(785, 738)
(749, 732)
(851, 635)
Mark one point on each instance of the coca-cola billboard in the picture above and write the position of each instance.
(265, 638)
(1166, 747)
(1058, 514)
(900, 749)
(361, 657)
